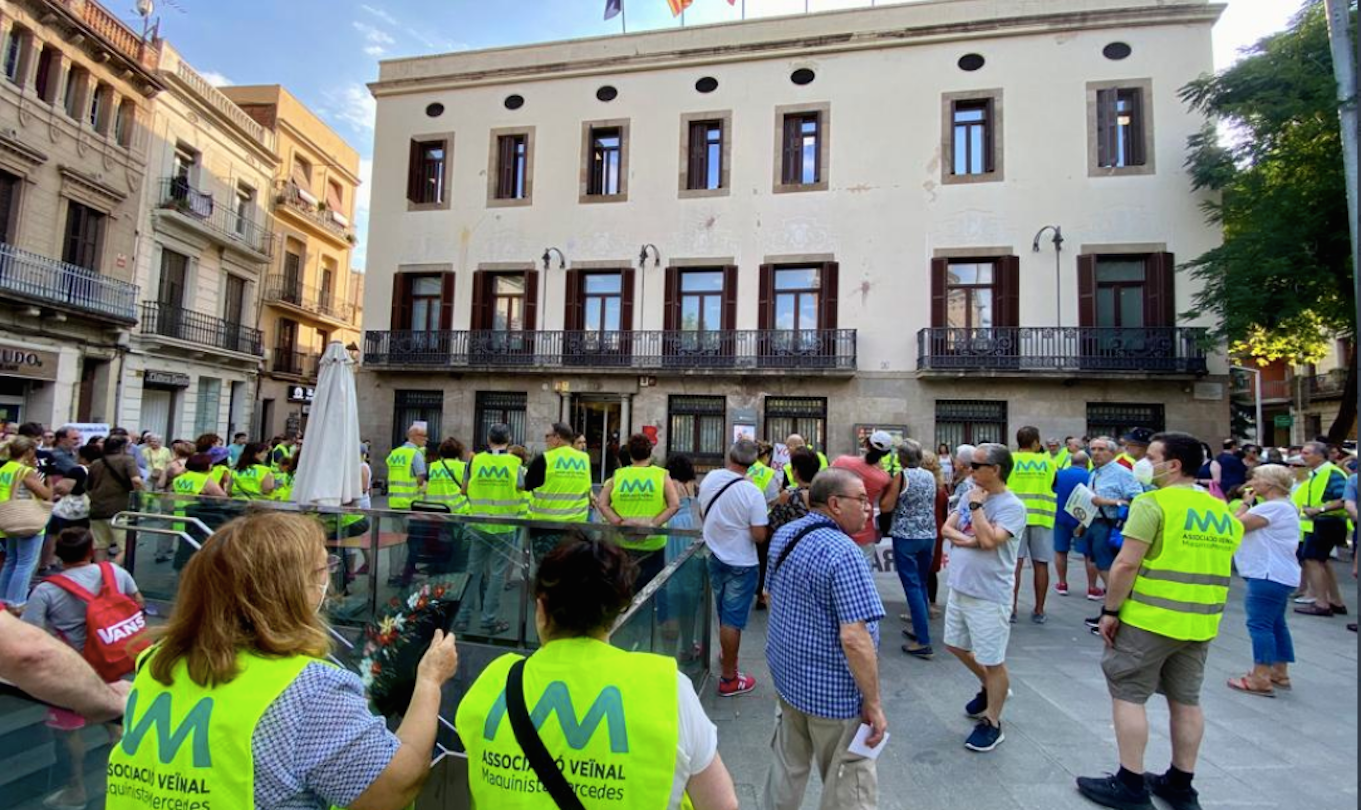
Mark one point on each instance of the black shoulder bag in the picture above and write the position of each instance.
(528, 738)
(793, 541)
(704, 510)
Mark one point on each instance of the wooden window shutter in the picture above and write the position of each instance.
(728, 318)
(940, 271)
(1086, 291)
(504, 167)
(1106, 137)
(401, 302)
(1136, 127)
(446, 302)
(1160, 305)
(413, 173)
(789, 160)
(829, 296)
(1007, 308)
(572, 316)
(671, 300)
(696, 171)
(481, 302)
(989, 136)
(626, 303)
(765, 316)
(531, 300)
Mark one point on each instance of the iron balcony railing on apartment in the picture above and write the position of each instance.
(41, 280)
(283, 290)
(296, 363)
(222, 220)
(295, 198)
(1327, 385)
(1166, 350)
(744, 350)
(175, 322)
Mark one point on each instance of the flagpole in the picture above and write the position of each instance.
(623, 17)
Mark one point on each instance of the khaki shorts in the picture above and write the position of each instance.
(979, 626)
(106, 535)
(1142, 663)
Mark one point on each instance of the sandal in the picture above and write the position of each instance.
(1243, 685)
(1281, 683)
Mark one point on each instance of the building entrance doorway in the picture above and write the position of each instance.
(600, 419)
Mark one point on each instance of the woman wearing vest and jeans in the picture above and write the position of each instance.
(651, 745)
(641, 495)
(19, 479)
(264, 720)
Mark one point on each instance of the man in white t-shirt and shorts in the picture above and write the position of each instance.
(984, 531)
(735, 521)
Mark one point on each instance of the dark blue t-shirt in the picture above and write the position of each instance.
(1232, 471)
(1064, 484)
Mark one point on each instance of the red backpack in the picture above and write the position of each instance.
(115, 627)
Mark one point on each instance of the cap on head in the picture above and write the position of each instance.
(1140, 436)
(881, 440)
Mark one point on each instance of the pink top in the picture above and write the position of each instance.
(876, 481)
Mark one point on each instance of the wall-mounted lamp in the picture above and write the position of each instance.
(642, 255)
(547, 256)
(1058, 284)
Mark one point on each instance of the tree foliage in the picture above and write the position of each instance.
(1280, 284)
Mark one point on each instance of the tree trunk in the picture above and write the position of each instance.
(1346, 412)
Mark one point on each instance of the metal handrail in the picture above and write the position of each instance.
(38, 278)
(1169, 349)
(200, 207)
(171, 321)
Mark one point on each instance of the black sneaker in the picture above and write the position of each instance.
(1109, 791)
(1092, 622)
(985, 737)
(975, 708)
(1183, 799)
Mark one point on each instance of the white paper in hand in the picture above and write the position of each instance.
(858, 746)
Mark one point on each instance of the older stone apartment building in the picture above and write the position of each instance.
(822, 223)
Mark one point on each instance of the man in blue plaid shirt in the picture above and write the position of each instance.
(822, 646)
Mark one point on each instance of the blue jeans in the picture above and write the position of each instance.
(21, 560)
(1096, 544)
(1266, 605)
(733, 586)
(912, 558)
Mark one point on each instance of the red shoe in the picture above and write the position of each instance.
(1061, 589)
(1096, 594)
(737, 686)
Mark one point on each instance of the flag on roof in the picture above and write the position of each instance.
(677, 6)
(612, 8)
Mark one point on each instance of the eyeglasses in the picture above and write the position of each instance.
(980, 464)
(864, 499)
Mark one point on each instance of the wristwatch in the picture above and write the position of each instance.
(1105, 611)
(975, 505)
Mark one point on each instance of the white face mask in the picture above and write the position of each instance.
(1143, 471)
(325, 588)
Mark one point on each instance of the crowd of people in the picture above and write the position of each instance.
(1171, 524)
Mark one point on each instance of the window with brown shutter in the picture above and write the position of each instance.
(1127, 291)
(704, 170)
(426, 175)
(512, 166)
(1120, 127)
(802, 155)
(827, 311)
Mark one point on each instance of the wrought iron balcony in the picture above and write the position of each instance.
(1025, 350)
(195, 327)
(1328, 385)
(221, 221)
(283, 290)
(295, 363)
(40, 280)
(746, 351)
(291, 197)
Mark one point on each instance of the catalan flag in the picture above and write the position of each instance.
(678, 6)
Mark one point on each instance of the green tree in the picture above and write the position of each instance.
(1281, 282)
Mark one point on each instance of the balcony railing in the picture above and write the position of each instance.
(47, 281)
(291, 196)
(221, 220)
(283, 290)
(224, 105)
(195, 327)
(1168, 350)
(1327, 385)
(744, 351)
(112, 30)
(298, 364)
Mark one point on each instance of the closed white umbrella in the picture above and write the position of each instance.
(328, 467)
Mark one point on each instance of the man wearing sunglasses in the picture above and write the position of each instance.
(983, 530)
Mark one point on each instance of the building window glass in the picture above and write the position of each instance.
(234, 308)
(512, 166)
(973, 136)
(602, 301)
(44, 83)
(701, 300)
(500, 408)
(14, 48)
(84, 232)
(607, 146)
(426, 182)
(806, 416)
(696, 428)
(245, 207)
(705, 168)
(1115, 419)
(77, 80)
(174, 279)
(1120, 127)
(1120, 291)
(970, 422)
(101, 104)
(969, 294)
(409, 407)
(425, 303)
(798, 291)
(508, 303)
(207, 411)
(122, 122)
(801, 164)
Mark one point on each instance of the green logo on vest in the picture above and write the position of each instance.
(1208, 521)
(494, 472)
(573, 464)
(1032, 466)
(638, 487)
(556, 699)
(7, 478)
(168, 743)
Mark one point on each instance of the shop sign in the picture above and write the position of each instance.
(301, 393)
(16, 361)
(170, 379)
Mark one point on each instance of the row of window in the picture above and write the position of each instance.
(26, 59)
(972, 133)
(1116, 291)
(697, 426)
(82, 241)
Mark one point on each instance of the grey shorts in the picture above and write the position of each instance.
(1037, 543)
(1142, 663)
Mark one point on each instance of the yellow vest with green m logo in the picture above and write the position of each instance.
(640, 492)
(760, 475)
(444, 484)
(493, 490)
(566, 491)
(402, 485)
(10, 475)
(609, 718)
(283, 487)
(187, 745)
(247, 484)
(1181, 593)
(1032, 479)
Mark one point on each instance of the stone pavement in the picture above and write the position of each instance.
(1296, 751)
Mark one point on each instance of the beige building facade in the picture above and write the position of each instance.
(76, 87)
(310, 295)
(820, 224)
(206, 244)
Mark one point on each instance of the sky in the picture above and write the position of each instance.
(325, 51)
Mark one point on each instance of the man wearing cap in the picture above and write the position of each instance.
(1136, 447)
(878, 445)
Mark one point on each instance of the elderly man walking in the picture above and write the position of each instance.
(1113, 487)
(822, 643)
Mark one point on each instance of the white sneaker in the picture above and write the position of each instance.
(1305, 600)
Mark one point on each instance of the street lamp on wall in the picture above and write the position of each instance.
(547, 257)
(1058, 284)
(642, 275)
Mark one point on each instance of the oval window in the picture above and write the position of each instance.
(971, 62)
(802, 76)
(434, 110)
(708, 84)
(607, 93)
(1117, 51)
(515, 101)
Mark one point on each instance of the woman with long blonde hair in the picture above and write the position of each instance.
(19, 479)
(263, 719)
